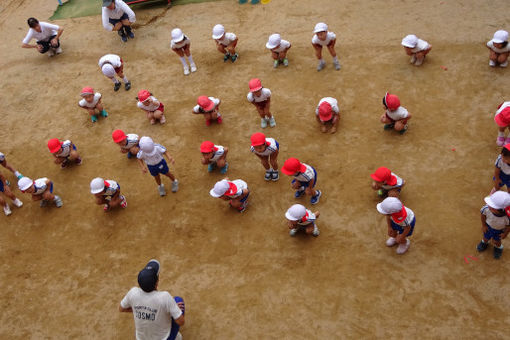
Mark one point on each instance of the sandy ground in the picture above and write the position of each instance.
(64, 271)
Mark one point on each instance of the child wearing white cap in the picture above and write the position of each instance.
(112, 64)
(107, 192)
(236, 192)
(152, 155)
(214, 156)
(91, 101)
(321, 38)
(400, 220)
(416, 48)
(328, 113)
(261, 98)
(498, 49)
(301, 219)
(3, 162)
(41, 190)
(279, 49)
(495, 222)
(226, 42)
(4, 188)
(502, 170)
(181, 44)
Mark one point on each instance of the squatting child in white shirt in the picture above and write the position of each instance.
(499, 49)
(395, 116)
(321, 38)
(226, 42)
(416, 48)
(91, 102)
(279, 49)
(154, 109)
(214, 156)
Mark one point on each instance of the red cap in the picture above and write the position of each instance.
(391, 101)
(400, 216)
(86, 91)
(54, 145)
(292, 165)
(325, 111)
(383, 174)
(255, 84)
(118, 136)
(503, 118)
(205, 103)
(207, 147)
(258, 138)
(143, 95)
(232, 189)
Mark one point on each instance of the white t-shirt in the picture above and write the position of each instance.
(271, 147)
(400, 181)
(47, 30)
(120, 8)
(422, 45)
(227, 39)
(198, 109)
(284, 44)
(264, 95)
(40, 185)
(180, 44)
(330, 36)
(307, 219)
(217, 154)
(408, 220)
(65, 149)
(131, 140)
(495, 222)
(151, 107)
(84, 103)
(111, 187)
(240, 185)
(2, 157)
(307, 176)
(112, 59)
(505, 168)
(153, 159)
(398, 114)
(505, 49)
(153, 313)
(331, 101)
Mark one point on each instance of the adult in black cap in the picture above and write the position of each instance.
(117, 16)
(158, 315)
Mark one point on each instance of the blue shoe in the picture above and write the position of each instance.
(299, 193)
(104, 113)
(226, 57)
(389, 126)
(130, 155)
(93, 118)
(482, 246)
(315, 199)
(211, 167)
(224, 169)
(497, 252)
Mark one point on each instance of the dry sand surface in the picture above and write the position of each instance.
(65, 270)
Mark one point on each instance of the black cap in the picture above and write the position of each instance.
(107, 3)
(148, 276)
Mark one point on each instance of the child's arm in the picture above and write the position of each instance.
(401, 237)
(170, 159)
(155, 102)
(376, 185)
(8, 166)
(142, 165)
(484, 224)
(497, 179)
(505, 232)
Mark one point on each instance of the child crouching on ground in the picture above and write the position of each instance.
(396, 116)
(214, 156)
(301, 219)
(209, 107)
(495, 222)
(236, 192)
(128, 143)
(107, 192)
(41, 190)
(152, 107)
(400, 221)
(91, 101)
(64, 152)
(387, 183)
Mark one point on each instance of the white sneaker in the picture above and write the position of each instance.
(186, 70)
(293, 232)
(413, 59)
(179, 336)
(391, 242)
(7, 210)
(58, 50)
(272, 122)
(50, 52)
(337, 65)
(402, 248)
(505, 64)
(316, 232)
(161, 190)
(492, 63)
(175, 186)
(17, 203)
(321, 65)
(193, 67)
(263, 123)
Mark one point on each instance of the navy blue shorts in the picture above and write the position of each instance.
(492, 233)
(505, 179)
(47, 44)
(307, 184)
(245, 198)
(2, 186)
(115, 21)
(277, 145)
(400, 229)
(160, 168)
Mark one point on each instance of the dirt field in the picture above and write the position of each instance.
(65, 270)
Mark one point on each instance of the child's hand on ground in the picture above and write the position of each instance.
(485, 228)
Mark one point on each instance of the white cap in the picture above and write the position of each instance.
(500, 37)
(498, 200)
(177, 35)
(108, 70)
(97, 185)
(218, 31)
(24, 183)
(295, 212)
(146, 144)
(273, 41)
(390, 205)
(320, 27)
(410, 41)
(220, 188)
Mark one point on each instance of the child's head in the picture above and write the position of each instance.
(321, 29)
(255, 86)
(410, 41)
(25, 184)
(292, 167)
(391, 102)
(273, 41)
(500, 39)
(54, 145)
(295, 213)
(147, 145)
(205, 103)
(108, 70)
(144, 97)
(258, 141)
(383, 176)
(503, 118)
(177, 35)
(119, 137)
(392, 206)
(505, 154)
(325, 111)
(498, 201)
(218, 32)
(223, 189)
(88, 94)
(207, 149)
(97, 186)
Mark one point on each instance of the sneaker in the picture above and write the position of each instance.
(123, 204)
(211, 167)
(104, 113)
(418, 62)
(58, 50)
(285, 62)
(43, 203)
(116, 87)
(161, 190)
(267, 176)
(275, 175)
(127, 86)
(162, 120)
(219, 120)
(403, 130)
(337, 65)
(186, 70)
(175, 186)
(316, 232)
(93, 118)
(275, 63)
(413, 59)
(78, 161)
(17, 202)
(153, 121)
(315, 199)
(130, 34)
(390, 242)
(321, 66)
(130, 155)
(402, 248)
(500, 141)
(51, 52)
(492, 63)
(272, 122)
(299, 193)
(226, 57)
(234, 57)
(482, 246)
(7, 210)
(505, 64)
(64, 164)
(497, 251)
(20, 176)
(58, 201)
(193, 67)
(224, 169)
(293, 232)
(122, 35)
(243, 208)
(389, 126)
(106, 207)
(263, 123)
(208, 122)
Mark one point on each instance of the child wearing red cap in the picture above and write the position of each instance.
(214, 156)
(111, 65)
(91, 101)
(502, 118)
(416, 48)
(41, 190)
(279, 49)
(499, 49)
(152, 107)
(400, 220)
(266, 149)
(305, 179)
(107, 193)
(386, 182)
(261, 98)
(3, 162)
(328, 113)
(301, 219)
(128, 143)
(4, 188)
(502, 170)
(396, 116)
(236, 192)
(209, 107)
(64, 152)
(226, 42)
(321, 38)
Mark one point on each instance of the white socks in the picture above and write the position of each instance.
(183, 61)
(115, 81)
(16, 173)
(125, 79)
(335, 59)
(190, 59)
(501, 134)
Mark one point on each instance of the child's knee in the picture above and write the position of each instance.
(296, 185)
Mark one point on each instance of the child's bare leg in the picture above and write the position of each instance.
(37, 197)
(400, 125)
(115, 201)
(169, 175)
(178, 51)
(493, 56)
(47, 195)
(157, 178)
(323, 127)
(3, 203)
(214, 115)
(9, 193)
(311, 191)
(282, 55)
(60, 160)
(266, 111)
(73, 155)
(496, 243)
(274, 162)
(331, 49)
(207, 116)
(265, 162)
(150, 117)
(502, 58)
(385, 119)
(101, 200)
(221, 162)
(117, 26)
(221, 48)
(318, 51)
(392, 232)
(231, 49)
(393, 193)
(309, 229)
(157, 114)
(236, 203)
(274, 55)
(296, 185)
(187, 50)
(92, 112)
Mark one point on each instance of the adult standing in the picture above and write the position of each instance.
(47, 37)
(117, 16)
(158, 315)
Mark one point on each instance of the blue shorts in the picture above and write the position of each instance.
(307, 184)
(160, 168)
(492, 233)
(115, 21)
(51, 187)
(505, 179)
(400, 229)
(277, 145)
(2, 186)
(245, 198)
